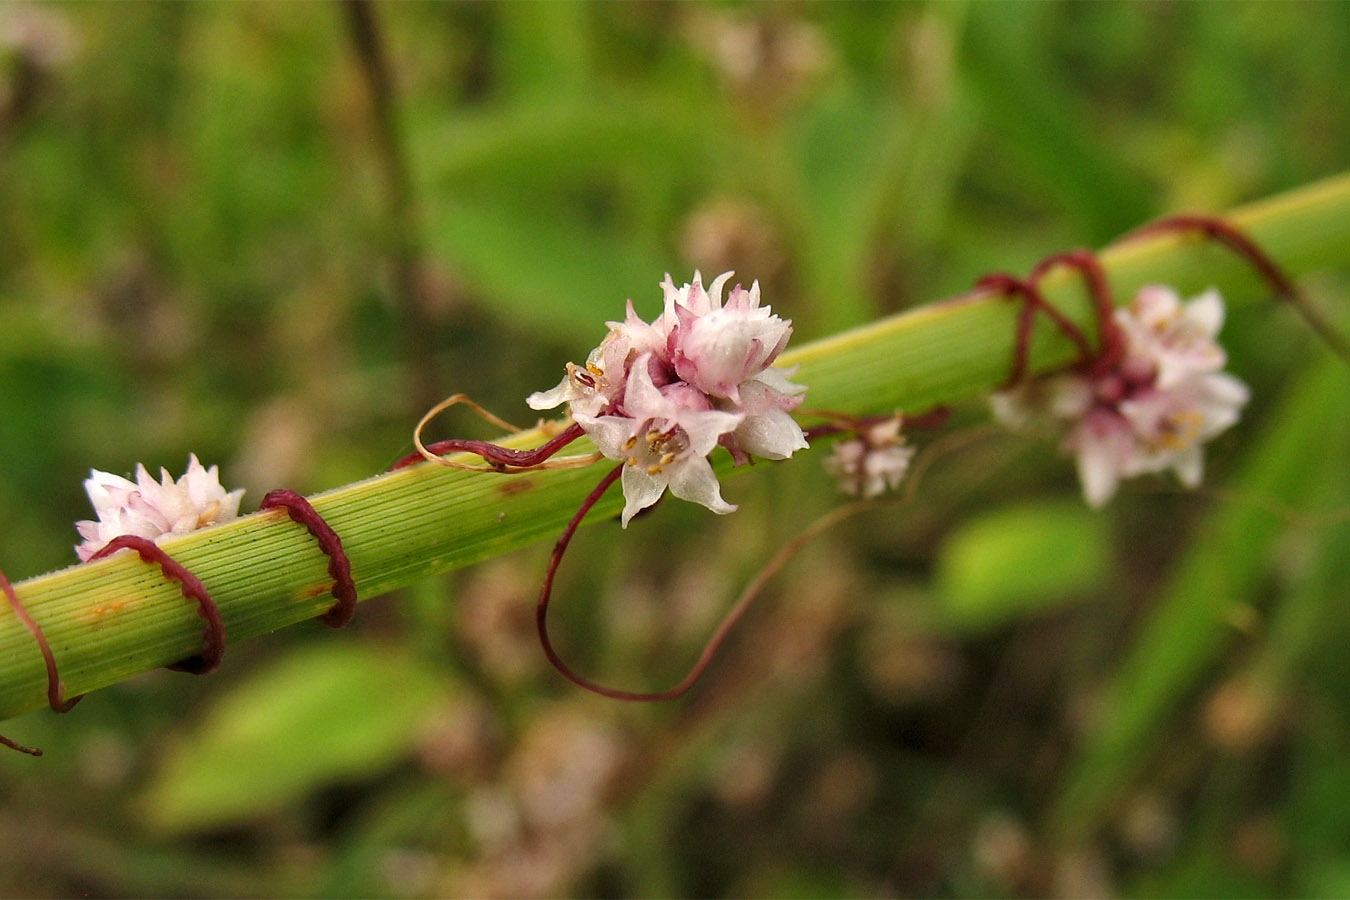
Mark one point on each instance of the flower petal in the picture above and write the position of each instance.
(640, 490)
(693, 479)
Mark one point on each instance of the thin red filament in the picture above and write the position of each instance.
(1234, 239)
(843, 422)
(541, 618)
(56, 691)
(1103, 306)
(504, 458)
(1032, 302)
(213, 637)
(339, 566)
(1225, 233)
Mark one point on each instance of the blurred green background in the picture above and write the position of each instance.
(273, 234)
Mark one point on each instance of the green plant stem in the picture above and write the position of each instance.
(110, 620)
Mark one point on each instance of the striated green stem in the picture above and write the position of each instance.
(110, 620)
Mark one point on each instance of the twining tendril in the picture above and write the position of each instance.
(847, 423)
(1103, 305)
(736, 612)
(55, 689)
(499, 459)
(1110, 341)
(1154, 390)
(339, 566)
(545, 594)
(1032, 303)
(213, 637)
(1217, 229)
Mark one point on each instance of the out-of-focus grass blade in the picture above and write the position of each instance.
(1037, 139)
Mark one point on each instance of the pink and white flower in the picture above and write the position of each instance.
(661, 396)
(154, 509)
(873, 462)
(1176, 339)
(1153, 409)
(717, 347)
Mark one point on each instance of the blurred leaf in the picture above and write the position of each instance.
(329, 711)
(562, 143)
(1040, 145)
(550, 274)
(1020, 560)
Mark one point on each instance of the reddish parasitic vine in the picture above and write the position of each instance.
(501, 458)
(1110, 341)
(339, 566)
(546, 593)
(213, 637)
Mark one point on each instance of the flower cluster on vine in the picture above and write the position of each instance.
(659, 397)
(1148, 409)
(154, 509)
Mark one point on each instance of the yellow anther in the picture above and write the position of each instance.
(667, 459)
(630, 443)
(653, 470)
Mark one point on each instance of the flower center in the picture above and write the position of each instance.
(655, 449)
(1178, 430)
(208, 515)
(585, 377)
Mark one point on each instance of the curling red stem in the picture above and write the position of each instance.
(1231, 236)
(503, 458)
(15, 745)
(339, 566)
(1032, 302)
(56, 691)
(1099, 289)
(213, 637)
(541, 617)
(1224, 233)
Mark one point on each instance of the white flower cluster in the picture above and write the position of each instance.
(154, 509)
(1149, 411)
(873, 462)
(660, 397)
